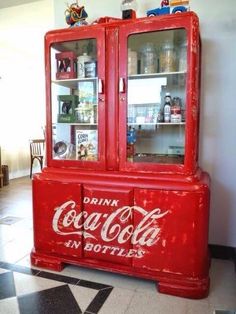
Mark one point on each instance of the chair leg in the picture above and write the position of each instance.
(41, 163)
(1, 180)
(31, 168)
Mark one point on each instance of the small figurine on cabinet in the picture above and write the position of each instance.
(128, 8)
(76, 15)
(164, 3)
(170, 6)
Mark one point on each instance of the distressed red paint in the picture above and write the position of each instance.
(144, 220)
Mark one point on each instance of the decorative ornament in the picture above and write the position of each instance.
(128, 8)
(75, 15)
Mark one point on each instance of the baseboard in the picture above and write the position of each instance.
(223, 252)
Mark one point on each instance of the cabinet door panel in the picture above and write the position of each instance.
(76, 98)
(179, 224)
(159, 96)
(56, 208)
(108, 224)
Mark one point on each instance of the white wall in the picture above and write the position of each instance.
(218, 95)
(218, 127)
(22, 84)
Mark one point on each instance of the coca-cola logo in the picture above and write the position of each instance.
(113, 226)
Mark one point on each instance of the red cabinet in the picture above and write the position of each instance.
(122, 190)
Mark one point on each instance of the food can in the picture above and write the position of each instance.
(90, 68)
(81, 64)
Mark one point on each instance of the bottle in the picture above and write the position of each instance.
(176, 116)
(167, 108)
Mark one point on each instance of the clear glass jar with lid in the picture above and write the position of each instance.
(183, 56)
(167, 57)
(148, 56)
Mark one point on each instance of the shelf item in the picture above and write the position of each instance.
(67, 105)
(66, 65)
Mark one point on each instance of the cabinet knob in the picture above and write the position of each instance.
(101, 99)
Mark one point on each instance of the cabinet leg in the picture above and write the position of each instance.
(192, 289)
(43, 261)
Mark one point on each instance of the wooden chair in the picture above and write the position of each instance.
(36, 152)
(1, 175)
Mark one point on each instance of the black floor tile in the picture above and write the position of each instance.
(224, 312)
(57, 277)
(19, 269)
(7, 285)
(92, 285)
(98, 301)
(59, 300)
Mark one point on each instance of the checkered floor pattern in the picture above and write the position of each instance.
(28, 291)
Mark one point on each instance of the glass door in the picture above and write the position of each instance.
(155, 66)
(77, 102)
(156, 97)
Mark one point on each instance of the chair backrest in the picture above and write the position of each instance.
(37, 147)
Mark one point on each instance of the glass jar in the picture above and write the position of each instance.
(81, 64)
(132, 62)
(183, 56)
(167, 57)
(148, 59)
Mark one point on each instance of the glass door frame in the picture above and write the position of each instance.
(189, 22)
(67, 35)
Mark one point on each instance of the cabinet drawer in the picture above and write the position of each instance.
(108, 224)
(57, 208)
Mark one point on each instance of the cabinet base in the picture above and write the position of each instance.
(172, 284)
(195, 289)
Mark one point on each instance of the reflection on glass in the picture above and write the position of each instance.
(157, 66)
(74, 100)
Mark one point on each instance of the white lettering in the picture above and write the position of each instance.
(117, 226)
(86, 200)
(100, 201)
(88, 247)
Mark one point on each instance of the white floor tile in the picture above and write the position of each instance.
(27, 284)
(155, 303)
(198, 306)
(118, 301)
(14, 251)
(9, 306)
(83, 295)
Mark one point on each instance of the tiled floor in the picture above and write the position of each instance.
(80, 290)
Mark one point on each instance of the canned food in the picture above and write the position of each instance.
(90, 69)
